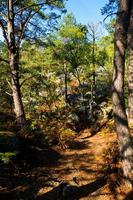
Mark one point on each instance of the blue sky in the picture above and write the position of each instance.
(86, 10)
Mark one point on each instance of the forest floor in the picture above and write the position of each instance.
(85, 165)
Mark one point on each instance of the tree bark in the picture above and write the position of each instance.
(14, 67)
(130, 68)
(94, 67)
(65, 81)
(120, 118)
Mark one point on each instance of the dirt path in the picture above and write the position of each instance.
(83, 165)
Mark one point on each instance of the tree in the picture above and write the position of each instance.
(40, 83)
(18, 20)
(71, 49)
(130, 68)
(110, 8)
(120, 118)
(94, 34)
(112, 5)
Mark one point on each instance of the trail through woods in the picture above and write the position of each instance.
(84, 165)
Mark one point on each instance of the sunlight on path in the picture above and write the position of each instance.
(86, 163)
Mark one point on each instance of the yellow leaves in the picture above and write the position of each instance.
(108, 128)
(72, 32)
(66, 134)
(131, 125)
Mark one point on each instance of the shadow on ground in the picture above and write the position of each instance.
(37, 173)
(22, 177)
(80, 192)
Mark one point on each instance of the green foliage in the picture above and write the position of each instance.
(7, 157)
(70, 30)
(58, 131)
(42, 74)
(110, 7)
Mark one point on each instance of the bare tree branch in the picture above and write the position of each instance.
(110, 14)
(15, 2)
(8, 93)
(22, 27)
(9, 83)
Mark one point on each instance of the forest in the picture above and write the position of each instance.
(66, 102)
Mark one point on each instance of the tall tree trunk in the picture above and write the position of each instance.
(94, 67)
(65, 81)
(121, 122)
(14, 67)
(17, 98)
(130, 68)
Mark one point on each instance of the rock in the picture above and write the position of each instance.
(9, 142)
(67, 191)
